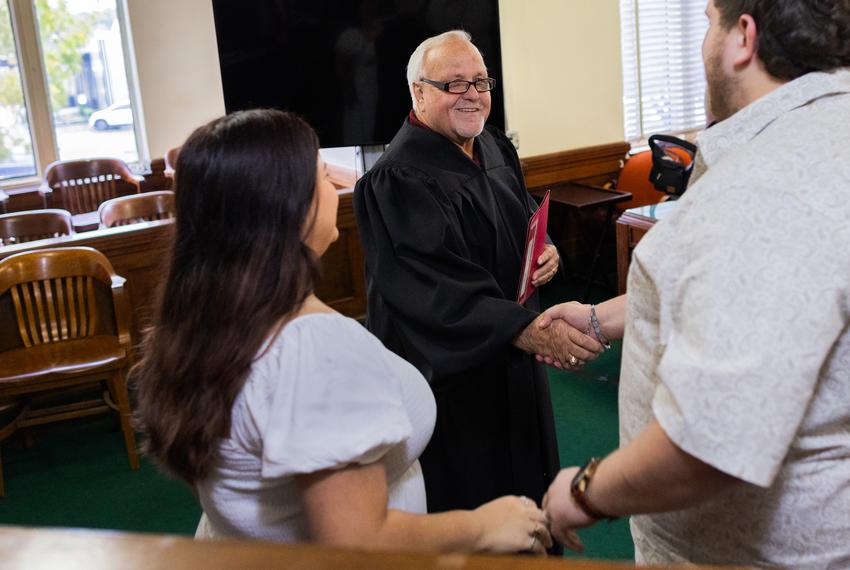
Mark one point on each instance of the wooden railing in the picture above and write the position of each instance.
(55, 548)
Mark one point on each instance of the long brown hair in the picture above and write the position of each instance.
(244, 188)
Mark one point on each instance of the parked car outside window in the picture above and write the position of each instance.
(116, 115)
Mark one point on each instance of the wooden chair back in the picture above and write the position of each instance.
(4, 199)
(171, 160)
(80, 186)
(20, 227)
(53, 294)
(145, 207)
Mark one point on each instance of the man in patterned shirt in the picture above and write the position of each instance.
(735, 387)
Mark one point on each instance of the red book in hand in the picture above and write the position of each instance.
(535, 244)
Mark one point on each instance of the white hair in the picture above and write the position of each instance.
(417, 58)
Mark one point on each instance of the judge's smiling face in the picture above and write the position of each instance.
(458, 117)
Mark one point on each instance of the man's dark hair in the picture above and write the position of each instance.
(795, 37)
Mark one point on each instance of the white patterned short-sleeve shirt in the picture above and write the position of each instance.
(737, 337)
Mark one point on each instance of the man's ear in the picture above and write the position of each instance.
(746, 38)
(418, 93)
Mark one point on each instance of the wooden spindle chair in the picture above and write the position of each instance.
(64, 322)
(171, 160)
(145, 207)
(81, 186)
(20, 227)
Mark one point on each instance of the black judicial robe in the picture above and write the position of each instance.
(443, 240)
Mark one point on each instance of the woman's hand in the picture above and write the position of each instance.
(576, 314)
(547, 266)
(512, 524)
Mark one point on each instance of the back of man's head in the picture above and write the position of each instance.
(795, 37)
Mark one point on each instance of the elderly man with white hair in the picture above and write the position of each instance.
(443, 218)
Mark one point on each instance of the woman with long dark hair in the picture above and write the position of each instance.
(291, 421)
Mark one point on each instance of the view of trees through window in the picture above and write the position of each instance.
(83, 60)
(16, 153)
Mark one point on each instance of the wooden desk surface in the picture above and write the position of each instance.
(95, 550)
(578, 195)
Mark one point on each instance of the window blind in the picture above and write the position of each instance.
(663, 74)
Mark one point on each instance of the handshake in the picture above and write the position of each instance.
(564, 336)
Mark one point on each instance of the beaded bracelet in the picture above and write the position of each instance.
(597, 330)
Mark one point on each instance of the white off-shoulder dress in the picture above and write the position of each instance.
(325, 394)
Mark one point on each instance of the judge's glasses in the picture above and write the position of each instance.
(461, 86)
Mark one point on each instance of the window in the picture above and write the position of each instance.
(663, 74)
(65, 90)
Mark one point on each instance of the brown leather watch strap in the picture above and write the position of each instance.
(578, 489)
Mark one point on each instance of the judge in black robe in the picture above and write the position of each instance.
(443, 237)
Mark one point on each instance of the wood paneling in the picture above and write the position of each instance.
(342, 284)
(593, 165)
(630, 229)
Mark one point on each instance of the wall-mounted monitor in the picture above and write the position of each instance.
(341, 64)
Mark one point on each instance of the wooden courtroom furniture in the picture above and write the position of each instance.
(171, 160)
(145, 207)
(80, 186)
(632, 225)
(4, 200)
(98, 550)
(580, 197)
(65, 323)
(21, 227)
(138, 251)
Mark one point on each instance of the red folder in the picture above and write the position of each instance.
(535, 243)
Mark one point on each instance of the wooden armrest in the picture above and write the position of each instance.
(121, 306)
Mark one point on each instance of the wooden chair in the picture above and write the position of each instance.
(64, 322)
(80, 186)
(144, 207)
(20, 227)
(171, 160)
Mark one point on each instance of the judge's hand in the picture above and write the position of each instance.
(570, 348)
(547, 266)
(563, 512)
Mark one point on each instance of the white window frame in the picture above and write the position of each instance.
(34, 84)
(635, 100)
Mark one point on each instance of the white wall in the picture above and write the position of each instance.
(563, 74)
(561, 65)
(177, 62)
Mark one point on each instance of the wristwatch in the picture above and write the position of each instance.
(578, 489)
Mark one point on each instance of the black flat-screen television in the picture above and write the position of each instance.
(341, 64)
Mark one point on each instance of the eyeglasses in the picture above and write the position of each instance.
(461, 86)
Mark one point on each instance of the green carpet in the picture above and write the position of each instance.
(585, 406)
(76, 475)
